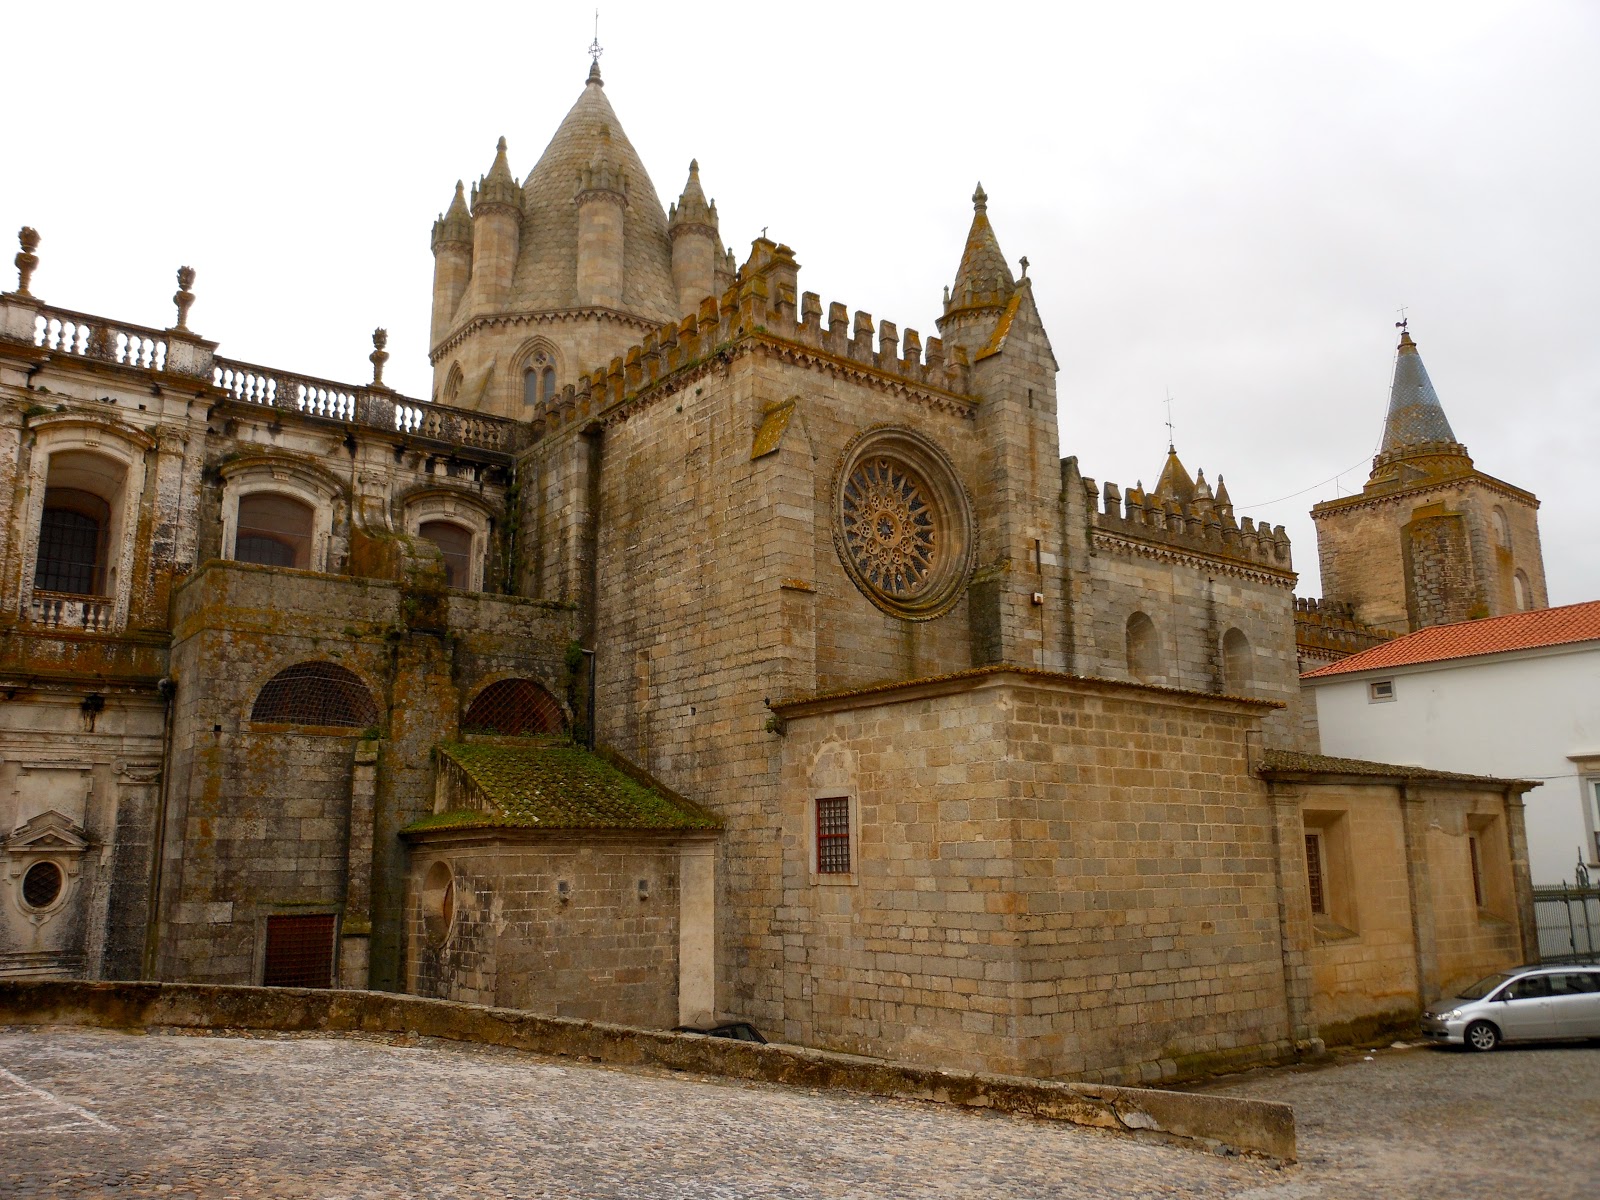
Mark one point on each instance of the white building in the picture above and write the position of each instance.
(1516, 696)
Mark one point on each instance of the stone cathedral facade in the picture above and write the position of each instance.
(699, 650)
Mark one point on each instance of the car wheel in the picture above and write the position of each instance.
(1481, 1035)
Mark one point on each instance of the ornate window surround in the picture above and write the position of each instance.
(459, 508)
(287, 477)
(123, 446)
(900, 509)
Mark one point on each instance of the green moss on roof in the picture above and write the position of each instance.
(1290, 762)
(547, 783)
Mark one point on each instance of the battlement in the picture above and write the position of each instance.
(1327, 630)
(761, 300)
(1201, 526)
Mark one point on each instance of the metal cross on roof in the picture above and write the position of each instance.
(1404, 320)
(594, 47)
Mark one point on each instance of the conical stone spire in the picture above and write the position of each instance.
(691, 208)
(499, 186)
(455, 223)
(984, 279)
(1416, 417)
(1175, 483)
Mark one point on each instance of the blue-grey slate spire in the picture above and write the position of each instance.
(1415, 415)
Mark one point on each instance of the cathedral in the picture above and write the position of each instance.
(699, 652)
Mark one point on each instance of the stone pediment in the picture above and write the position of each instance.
(48, 833)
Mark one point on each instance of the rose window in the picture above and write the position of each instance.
(889, 527)
(903, 523)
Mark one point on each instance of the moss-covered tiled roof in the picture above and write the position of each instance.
(1290, 762)
(548, 783)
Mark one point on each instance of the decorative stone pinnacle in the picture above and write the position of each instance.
(1024, 266)
(27, 260)
(379, 356)
(184, 297)
(980, 200)
(500, 146)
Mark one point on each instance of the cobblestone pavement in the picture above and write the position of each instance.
(97, 1113)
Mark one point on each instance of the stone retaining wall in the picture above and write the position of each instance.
(1250, 1125)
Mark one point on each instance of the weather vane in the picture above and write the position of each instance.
(594, 47)
(1404, 320)
(1171, 445)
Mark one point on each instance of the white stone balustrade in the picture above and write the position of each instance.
(61, 610)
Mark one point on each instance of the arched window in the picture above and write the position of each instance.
(274, 530)
(452, 385)
(1237, 671)
(82, 492)
(1502, 527)
(455, 543)
(514, 707)
(1521, 591)
(316, 693)
(539, 379)
(1144, 653)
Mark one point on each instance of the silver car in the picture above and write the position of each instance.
(1525, 1004)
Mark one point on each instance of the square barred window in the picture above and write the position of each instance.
(833, 836)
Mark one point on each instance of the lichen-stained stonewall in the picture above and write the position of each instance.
(908, 739)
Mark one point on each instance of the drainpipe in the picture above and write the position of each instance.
(589, 699)
(168, 687)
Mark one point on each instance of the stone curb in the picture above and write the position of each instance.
(1255, 1126)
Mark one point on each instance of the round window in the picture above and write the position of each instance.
(903, 524)
(41, 885)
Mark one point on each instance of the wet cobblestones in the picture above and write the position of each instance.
(346, 1118)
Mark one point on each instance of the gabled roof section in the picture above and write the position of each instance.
(983, 280)
(549, 783)
(49, 831)
(1471, 639)
(547, 264)
(1415, 415)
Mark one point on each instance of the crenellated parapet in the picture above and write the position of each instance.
(1327, 630)
(762, 304)
(1202, 526)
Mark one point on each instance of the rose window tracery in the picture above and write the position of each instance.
(903, 523)
(889, 527)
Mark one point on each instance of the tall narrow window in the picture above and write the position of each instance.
(833, 835)
(1314, 875)
(1477, 869)
(1236, 662)
(274, 531)
(1522, 594)
(547, 384)
(455, 543)
(530, 386)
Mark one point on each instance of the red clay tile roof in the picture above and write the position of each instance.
(1467, 639)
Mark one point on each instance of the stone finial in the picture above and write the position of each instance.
(594, 75)
(184, 298)
(379, 356)
(26, 260)
(1024, 265)
(980, 200)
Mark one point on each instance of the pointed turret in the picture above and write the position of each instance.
(496, 233)
(1175, 483)
(1415, 414)
(984, 284)
(696, 243)
(452, 263)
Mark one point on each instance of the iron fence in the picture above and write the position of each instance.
(1569, 923)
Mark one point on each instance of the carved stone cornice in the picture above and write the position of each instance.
(1489, 483)
(1255, 572)
(559, 316)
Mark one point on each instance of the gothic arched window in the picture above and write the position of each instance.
(539, 380)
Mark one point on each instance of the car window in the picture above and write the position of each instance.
(1576, 983)
(1530, 987)
(1482, 988)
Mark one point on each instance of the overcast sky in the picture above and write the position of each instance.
(1227, 202)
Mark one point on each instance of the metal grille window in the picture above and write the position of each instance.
(299, 951)
(833, 835)
(1319, 899)
(1477, 870)
(455, 544)
(71, 531)
(274, 531)
(514, 708)
(41, 885)
(316, 693)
